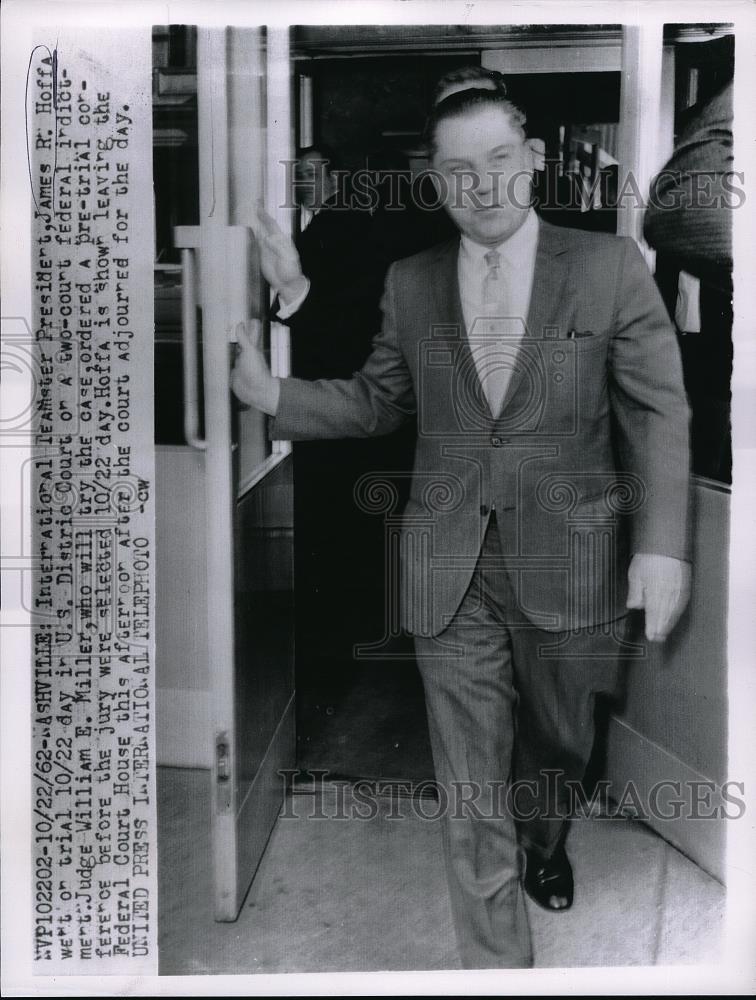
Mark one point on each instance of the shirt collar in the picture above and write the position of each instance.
(516, 249)
(312, 212)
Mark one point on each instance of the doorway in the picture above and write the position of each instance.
(357, 715)
(361, 712)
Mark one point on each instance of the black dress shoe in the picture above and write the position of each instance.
(548, 881)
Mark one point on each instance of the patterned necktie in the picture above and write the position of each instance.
(494, 356)
(492, 283)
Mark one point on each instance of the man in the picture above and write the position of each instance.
(338, 547)
(467, 77)
(691, 198)
(331, 331)
(478, 77)
(542, 372)
(689, 223)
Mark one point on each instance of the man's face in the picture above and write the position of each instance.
(313, 183)
(486, 168)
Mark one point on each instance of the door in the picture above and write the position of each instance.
(248, 527)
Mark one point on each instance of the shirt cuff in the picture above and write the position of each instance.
(284, 312)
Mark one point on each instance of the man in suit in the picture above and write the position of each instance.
(549, 494)
(334, 540)
(331, 330)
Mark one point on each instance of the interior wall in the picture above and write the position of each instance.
(673, 726)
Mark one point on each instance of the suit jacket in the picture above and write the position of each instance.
(587, 461)
(333, 329)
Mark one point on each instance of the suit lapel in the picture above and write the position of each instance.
(448, 305)
(547, 296)
(548, 299)
(445, 284)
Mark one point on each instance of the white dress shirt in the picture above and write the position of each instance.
(517, 267)
(495, 326)
(518, 255)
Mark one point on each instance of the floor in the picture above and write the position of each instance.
(365, 718)
(335, 894)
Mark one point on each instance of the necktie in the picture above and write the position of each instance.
(493, 352)
(492, 283)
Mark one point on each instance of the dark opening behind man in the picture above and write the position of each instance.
(339, 557)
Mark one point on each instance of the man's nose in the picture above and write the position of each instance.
(487, 191)
(471, 189)
(486, 186)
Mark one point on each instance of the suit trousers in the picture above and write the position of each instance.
(506, 700)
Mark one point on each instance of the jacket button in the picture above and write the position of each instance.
(483, 510)
(496, 441)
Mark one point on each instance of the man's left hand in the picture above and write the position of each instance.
(661, 585)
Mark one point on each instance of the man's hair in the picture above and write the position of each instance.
(322, 152)
(471, 75)
(463, 102)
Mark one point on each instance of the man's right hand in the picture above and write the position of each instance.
(279, 259)
(251, 380)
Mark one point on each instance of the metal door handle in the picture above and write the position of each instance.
(189, 343)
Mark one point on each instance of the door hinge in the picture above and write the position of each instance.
(222, 758)
(223, 772)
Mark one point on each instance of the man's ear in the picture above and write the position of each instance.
(538, 152)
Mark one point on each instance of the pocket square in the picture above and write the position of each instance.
(574, 334)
